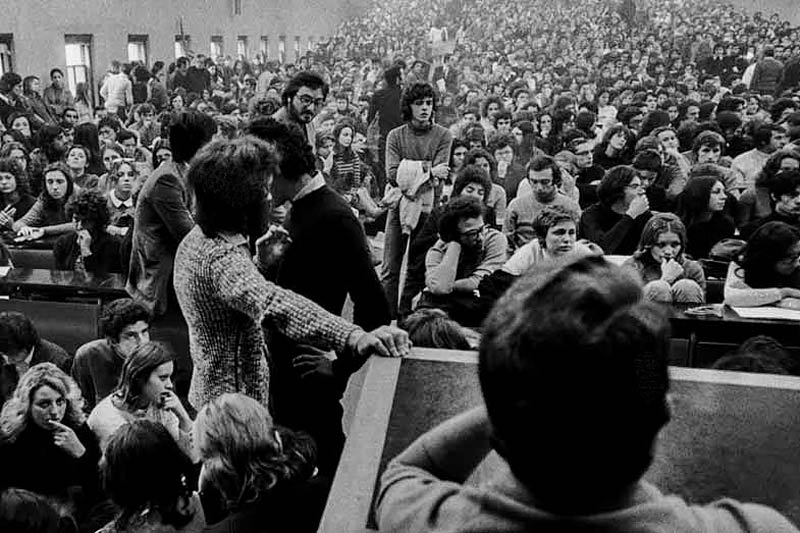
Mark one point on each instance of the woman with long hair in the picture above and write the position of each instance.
(45, 445)
(263, 478)
(87, 135)
(145, 391)
(32, 98)
(83, 103)
(48, 215)
(669, 275)
(90, 248)
(766, 271)
(616, 148)
(701, 207)
(147, 476)
(15, 198)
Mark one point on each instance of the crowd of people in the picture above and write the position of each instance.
(431, 157)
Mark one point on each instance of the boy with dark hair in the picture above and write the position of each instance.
(125, 324)
(21, 348)
(575, 454)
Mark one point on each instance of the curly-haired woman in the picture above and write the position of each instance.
(90, 248)
(45, 445)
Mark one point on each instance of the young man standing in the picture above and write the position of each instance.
(307, 386)
(418, 140)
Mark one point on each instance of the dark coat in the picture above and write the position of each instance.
(163, 218)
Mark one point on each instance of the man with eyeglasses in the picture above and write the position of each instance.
(544, 176)
(588, 174)
(303, 98)
(467, 251)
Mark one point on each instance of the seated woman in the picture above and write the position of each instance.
(145, 391)
(45, 445)
(669, 276)
(15, 199)
(615, 223)
(122, 181)
(766, 272)
(556, 231)
(90, 249)
(264, 478)
(702, 210)
(77, 160)
(110, 154)
(147, 477)
(48, 214)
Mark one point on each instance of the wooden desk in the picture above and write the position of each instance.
(730, 330)
(59, 284)
(731, 434)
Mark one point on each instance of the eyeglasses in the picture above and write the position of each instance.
(474, 233)
(307, 101)
(635, 186)
(543, 183)
(583, 154)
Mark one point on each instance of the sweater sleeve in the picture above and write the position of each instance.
(693, 271)
(739, 294)
(393, 156)
(441, 263)
(441, 154)
(242, 288)
(609, 240)
(495, 257)
(33, 217)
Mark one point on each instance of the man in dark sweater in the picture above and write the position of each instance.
(616, 222)
(385, 104)
(125, 325)
(327, 259)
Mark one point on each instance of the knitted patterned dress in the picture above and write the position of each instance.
(225, 300)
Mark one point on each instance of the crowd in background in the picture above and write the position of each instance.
(479, 138)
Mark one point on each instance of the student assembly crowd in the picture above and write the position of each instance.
(236, 195)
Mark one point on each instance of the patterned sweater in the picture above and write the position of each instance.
(225, 300)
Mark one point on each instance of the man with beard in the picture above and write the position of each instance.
(303, 97)
(544, 176)
(467, 251)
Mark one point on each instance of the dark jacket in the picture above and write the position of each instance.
(702, 236)
(163, 218)
(616, 234)
(45, 352)
(766, 76)
(33, 462)
(386, 101)
(105, 257)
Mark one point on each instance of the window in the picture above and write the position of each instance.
(137, 49)
(310, 43)
(282, 48)
(6, 53)
(78, 53)
(296, 48)
(182, 44)
(237, 7)
(264, 48)
(216, 46)
(241, 46)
